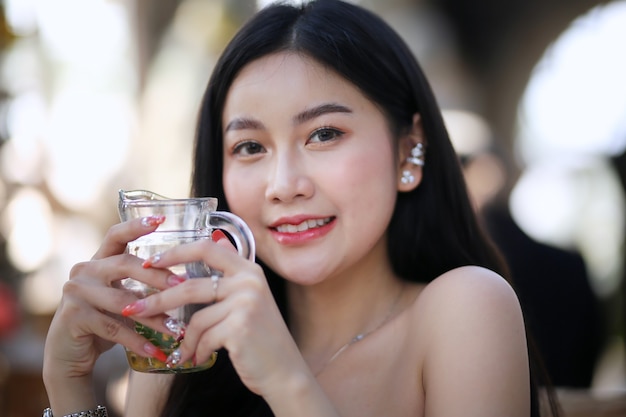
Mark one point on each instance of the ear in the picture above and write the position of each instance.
(410, 173)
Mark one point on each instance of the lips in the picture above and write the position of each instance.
(303, 226)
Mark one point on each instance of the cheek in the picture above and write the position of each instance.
(373, 167)
(240, 190)
(366, 183)
(368, 199)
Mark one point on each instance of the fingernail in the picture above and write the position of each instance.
(218, 235)
(134, 308)
(174, 280)
(174, 359)
(177, 327)
(154, 352)
(152, 221)
(151, 260)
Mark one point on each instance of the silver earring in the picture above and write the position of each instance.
(417, 155)
(407, 177)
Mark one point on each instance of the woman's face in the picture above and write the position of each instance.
(310, 165)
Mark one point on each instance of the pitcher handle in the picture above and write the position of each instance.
(238, 229)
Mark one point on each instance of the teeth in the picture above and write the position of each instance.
(305, 225)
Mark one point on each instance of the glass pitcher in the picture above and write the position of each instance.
(186, 220)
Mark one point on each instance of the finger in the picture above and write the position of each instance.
(119, 302)
(108, 300)
(193, 291)
(161, 323)
(115, 268)
(129, 338)
(113, 330)
(98, 296)
(202, 291)
(111, 300)
(120, 234)
(199, 342)
(218, 256)
(221, 239)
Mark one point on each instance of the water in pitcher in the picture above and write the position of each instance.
(145, 247)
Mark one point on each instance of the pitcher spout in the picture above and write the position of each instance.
(134, 195)
(180, 213)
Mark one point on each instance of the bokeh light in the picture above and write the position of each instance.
(27, 223)
(42, 288)
(87, 143)
(572, 120)
(575, 101)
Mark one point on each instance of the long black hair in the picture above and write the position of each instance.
(433, 229)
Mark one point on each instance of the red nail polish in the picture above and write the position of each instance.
(154, 352)
(152, 221)
(134, 308)
(151, 260)
(218, 235)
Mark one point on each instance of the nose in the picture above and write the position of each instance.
(288, 180)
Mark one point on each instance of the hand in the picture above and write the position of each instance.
(244, 318)
(86, 323)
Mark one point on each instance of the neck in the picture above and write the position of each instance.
(326, 317)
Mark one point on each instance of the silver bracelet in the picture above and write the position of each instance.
(99, 411)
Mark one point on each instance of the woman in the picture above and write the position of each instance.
(376, 292)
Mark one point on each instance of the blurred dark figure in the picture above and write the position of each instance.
(561, 309)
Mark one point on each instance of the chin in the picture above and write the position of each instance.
(303, 275)
(306, 282)
(299, 268)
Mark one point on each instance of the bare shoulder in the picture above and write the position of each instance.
(471, 278)
(462, 303)
(465, 302)
(473, 345)
(467, 288)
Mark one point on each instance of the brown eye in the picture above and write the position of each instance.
(325, 134)
(247, 148)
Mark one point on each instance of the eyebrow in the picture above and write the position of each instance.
(312, 113)
(242, 123)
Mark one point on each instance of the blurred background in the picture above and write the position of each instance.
(98, 95)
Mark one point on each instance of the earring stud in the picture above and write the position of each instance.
(407, 177)
(417, 155)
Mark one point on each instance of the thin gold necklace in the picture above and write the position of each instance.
(364, 334)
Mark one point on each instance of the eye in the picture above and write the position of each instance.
(325, 134)
(247, 148)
